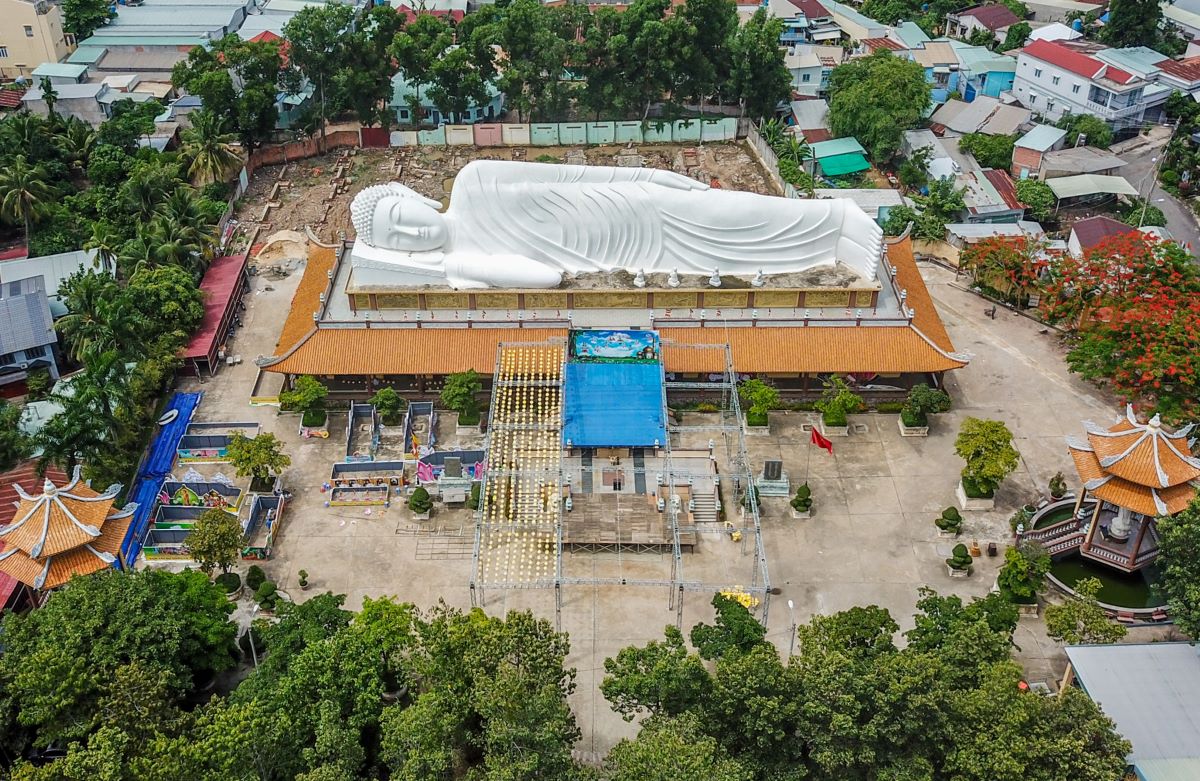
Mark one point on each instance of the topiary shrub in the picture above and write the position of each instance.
(266, 595)
(960, 558)
(802, 501)
(1025, 567)
(255, 577)
(837, 401)
(949, 521)
(923, 401)
(229, 582)
(1058, 486)
(420, 501)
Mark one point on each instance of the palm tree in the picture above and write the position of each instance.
(183, 209)
(107, 241)
(148, 186)
(134, 254)
(86, 329)
(174, 244)
(76, 141)
(103, 388)
(24, 133)
(797, 150)
(211, 151)
(771, 132)
(24, 191)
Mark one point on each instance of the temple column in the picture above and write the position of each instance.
(1137, 544)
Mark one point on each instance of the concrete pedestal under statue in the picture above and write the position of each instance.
(527, 225)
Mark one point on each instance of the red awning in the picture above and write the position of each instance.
(220, 287)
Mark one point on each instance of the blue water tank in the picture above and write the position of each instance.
(1077, 25)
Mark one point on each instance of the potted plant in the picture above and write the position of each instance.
(258, 457)
(267, 595)
(921, 402)
(390, 406)
(231, 583)
(307, 396)
(1058, 486)
(255, 577)
(986, 447)
(1021, 519)
(802, 502)
(959, 563)
(420, 503)
(836, 403)
(459, 395)
(758, 398)
(1021, 577)
(949, 523)
(302, 579)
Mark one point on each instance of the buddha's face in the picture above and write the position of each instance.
(408, 225)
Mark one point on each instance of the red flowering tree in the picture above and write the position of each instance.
(1011, 265)
(1132, 304)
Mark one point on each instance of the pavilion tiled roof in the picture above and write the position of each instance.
(63, 531)
(923, 345)
(307, 298)
(1141, 466)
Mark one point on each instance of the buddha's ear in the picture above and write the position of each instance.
(408, 192)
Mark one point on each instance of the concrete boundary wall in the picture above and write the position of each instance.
(495, 134)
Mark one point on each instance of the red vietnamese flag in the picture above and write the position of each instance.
(821, 441)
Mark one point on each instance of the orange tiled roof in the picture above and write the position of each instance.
(1144, 453)
(922, 346)
(307, 298)
(1123, 493)
(84, 560)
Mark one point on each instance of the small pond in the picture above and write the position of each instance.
(1116, 588)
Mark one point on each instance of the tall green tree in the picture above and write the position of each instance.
(672, 750)
(875, 99)
(1132, 23)
(15, 445)
(209, 148)
(1179, 562)
(81, 18)
(25, 191)
(237, 81)
(317, 38)
(708, 66)
(758, 77)
(215, 541)
(456, 84)
(416, 49)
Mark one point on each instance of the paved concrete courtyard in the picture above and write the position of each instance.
(871, 539)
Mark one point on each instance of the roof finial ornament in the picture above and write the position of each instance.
(49, 488)
(1155, 422)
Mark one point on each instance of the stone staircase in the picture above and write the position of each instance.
(706, 507)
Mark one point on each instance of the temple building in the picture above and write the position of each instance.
(883, 332)
(1132, 473)
(65, 531)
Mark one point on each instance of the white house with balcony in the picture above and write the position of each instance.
(1055, 78)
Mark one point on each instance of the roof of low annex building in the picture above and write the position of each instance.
(993, 17)
(1092, 231)
(921, 346)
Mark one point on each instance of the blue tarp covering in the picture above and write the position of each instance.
(614, 405)
(155, 468)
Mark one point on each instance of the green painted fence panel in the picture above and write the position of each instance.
(572, 133)
(685, 130)
(544, 135)
(435, 137)
(627, 132)
(656, 133)
(601, 132)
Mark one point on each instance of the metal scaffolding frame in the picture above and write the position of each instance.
(500, 513)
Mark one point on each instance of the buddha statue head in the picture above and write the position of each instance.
(392, 216)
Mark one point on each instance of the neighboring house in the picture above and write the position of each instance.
(810, 118)
(27, 338)
(452, 10)
(908, 34)
(1055, 78)
(875, 202)
(804, 21)
(401, 104)
(31, 32)
(996, 19)
(983, 72)
(1055, 31)
(963, 234)
(855, 25)
(1078, 160)
(810, 66)
(88, 102)
(52, 269)
(59, 73)
(1090, 232)
(989, 196)
(1029, 149)
(869, 46)
(985, 115)
(941, 67)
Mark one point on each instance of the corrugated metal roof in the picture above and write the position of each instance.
(62, 70)
(838, 146)
(1090, 184)
(1041, 138)
(935, 53)
(1149, 690)
(839, 165)
(1174, 769)
(87, 55)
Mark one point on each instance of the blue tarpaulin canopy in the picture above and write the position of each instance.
(614, 405)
